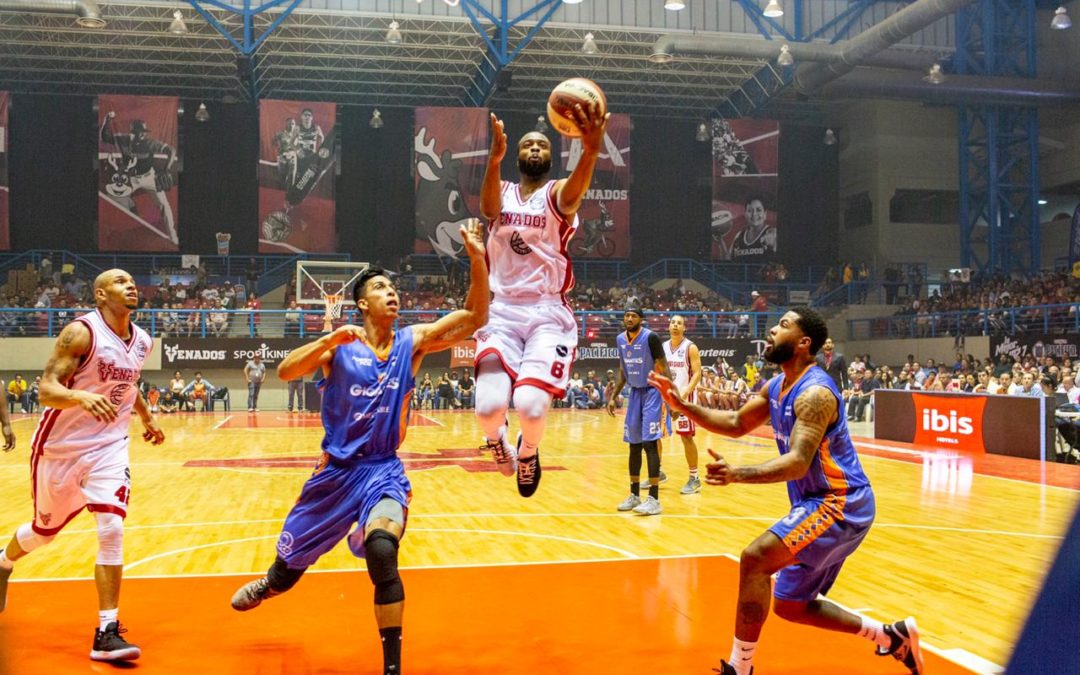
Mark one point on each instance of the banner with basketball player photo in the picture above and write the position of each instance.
(450, 149)
(5, 235)
(604, 215)
(745, 160)
(137, 173)
(297, 158)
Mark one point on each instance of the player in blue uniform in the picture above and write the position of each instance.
(359, 480)
(832, 504)
(640, 352)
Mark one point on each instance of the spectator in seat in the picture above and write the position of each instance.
(1069, 388)
(168, 402)
(16, 392)
(862, 389)
(444, 392)
(199, 390)
(1028, 387)
(176, 388)
(219, 320)
(33, 394)
(467, 389)
(425, 393)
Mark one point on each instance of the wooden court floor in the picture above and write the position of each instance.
(498, 584)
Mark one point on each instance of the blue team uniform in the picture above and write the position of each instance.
(832, 506)
(644, 406)
(365, 413)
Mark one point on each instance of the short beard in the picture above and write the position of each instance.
(132, 307)
(779, 354)
(534, 171)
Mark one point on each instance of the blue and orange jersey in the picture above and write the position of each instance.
(637, 360)
(835, 468)
(365, 405)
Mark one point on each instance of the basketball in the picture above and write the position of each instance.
(569, 93)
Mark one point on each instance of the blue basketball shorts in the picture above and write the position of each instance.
(644, 415)
(821, 533)
(334, 499)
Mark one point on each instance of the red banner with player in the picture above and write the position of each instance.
(137, 173)
(5, 149)
(746, 159)
(297, 167)
(604, 216)
(450, 149)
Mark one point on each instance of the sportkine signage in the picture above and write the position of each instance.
(223, 352)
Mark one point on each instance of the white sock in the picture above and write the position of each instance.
(874, 631)
(107, 616)
(742, 656)
(693, 473)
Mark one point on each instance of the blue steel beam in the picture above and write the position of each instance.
(249, 41)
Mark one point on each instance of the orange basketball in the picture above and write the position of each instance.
(569, 93)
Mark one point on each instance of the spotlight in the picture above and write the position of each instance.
(674, 5)
(1043, 202)
(935, 76)
(452, 3)
(541, 124)
(376, 121)
(830, 137)
(565, 2)
(393, 35)
(589, 46)
(1061, 19)
(773, 10)
(785, 58)
(177, 26)
(702, 134)
(661, 57)
(202, 114)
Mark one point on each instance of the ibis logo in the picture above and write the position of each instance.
(935, 421)
(949, 421)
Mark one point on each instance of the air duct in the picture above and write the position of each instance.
(956, 90)
(753, 48)
(858, 50)
(87, 12)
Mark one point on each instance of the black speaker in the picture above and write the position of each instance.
(245, 67)
(503, 80)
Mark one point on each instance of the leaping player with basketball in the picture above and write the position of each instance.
(530, 342)
(80, 448)
(367, 384)
(832, 504)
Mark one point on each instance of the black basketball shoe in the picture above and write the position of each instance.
(727, 669)
(251, 594)
(905, 645)
(109, 646)
(528, 472)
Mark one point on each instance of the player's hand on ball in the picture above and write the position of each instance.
(498, 140)
(346, 334)
(592, 125)
(153, 434)
(97, 405)
(472, 233)
(719, 472)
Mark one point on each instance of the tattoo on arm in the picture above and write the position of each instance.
(815, 410)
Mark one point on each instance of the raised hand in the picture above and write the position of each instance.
(592, 125)
(472, 234)
(668, 391)
(498, 140)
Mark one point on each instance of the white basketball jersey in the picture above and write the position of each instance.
(111, 368)
(678, 361)
(526, 247)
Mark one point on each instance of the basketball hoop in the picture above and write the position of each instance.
(334, 302)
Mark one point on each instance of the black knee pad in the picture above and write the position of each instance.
(635, 459)
(281, 577)
(380, 551)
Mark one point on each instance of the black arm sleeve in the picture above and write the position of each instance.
(656, 346)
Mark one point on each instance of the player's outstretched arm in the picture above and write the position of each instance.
(71, 346)
(732, 423)
(571, 190)
(316, 354)
(491, 189)
(5, 420)
(456, 326)
(815, 410)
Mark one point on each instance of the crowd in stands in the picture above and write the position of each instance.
(452, 390)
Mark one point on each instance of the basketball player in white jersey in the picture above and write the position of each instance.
(530, 340)
(79, 451)
(684, 362)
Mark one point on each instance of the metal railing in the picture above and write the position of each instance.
(1064, 318)
(205, 323)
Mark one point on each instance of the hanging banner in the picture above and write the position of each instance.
(297, 156)
(746, 156)
(604, 216)
(5, 230)
(137, 173)
(450, 149)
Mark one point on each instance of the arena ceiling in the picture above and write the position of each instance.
(343, 56)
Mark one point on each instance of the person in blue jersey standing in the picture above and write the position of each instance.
(832, 504)
(640, 352)
(368, 375)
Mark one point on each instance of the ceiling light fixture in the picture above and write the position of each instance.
(452, 3)
(1061, 19)
(1043, 202)
(830, 137)
(541, 124)
(773, 10)
(589, 46)
(376, 121)
(674, 5)
(935, 76)
(393, 35)
(785, 58)
(177, 26)
(702, 134)
(661, 56)
(202, 114)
